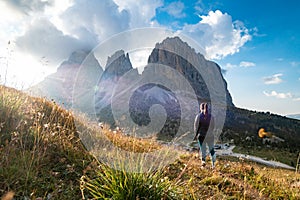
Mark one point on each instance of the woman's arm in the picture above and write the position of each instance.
(196, 126)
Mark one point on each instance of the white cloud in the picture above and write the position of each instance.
(11, 23)
(230, 66)
(199, 6)
(141, 12)
(218, 34)
(175, 9)
(279, 59)
(247, 64)
(99, 19)
(139, 58)
(55, 28)
(278, 95)
(274, 79)
(295, 64)
(29, 6)
(296, 99)
(43, 39)
(83, 25)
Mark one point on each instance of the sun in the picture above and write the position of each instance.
(22, 71)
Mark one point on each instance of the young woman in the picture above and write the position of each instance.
(203, 123)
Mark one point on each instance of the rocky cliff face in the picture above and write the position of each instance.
(160, 84)
(200, 73)
(117, 65)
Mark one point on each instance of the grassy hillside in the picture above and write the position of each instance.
(42, 157)
(41, 154)
(242, 127)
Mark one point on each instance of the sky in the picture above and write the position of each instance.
(256, 43)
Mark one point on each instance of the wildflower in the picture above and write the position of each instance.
(58, 126)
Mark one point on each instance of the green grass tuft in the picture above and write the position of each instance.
(121, 184)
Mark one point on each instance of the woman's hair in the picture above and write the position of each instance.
(204, 107)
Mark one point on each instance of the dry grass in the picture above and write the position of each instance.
(234, 179)
(132, 144)
(42, 156)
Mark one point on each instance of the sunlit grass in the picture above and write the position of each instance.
(129, 168)
(232, 179)
(40, 153)
(132, 144)
(112, 183)
(47, 152)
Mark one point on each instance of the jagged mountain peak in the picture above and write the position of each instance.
(117, 64)
(78, 56)
(81, 67)
(180, 47)
(173, 42)
(118, 55)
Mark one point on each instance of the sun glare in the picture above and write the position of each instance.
(23, 71)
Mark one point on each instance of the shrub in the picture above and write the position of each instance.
(120, 184)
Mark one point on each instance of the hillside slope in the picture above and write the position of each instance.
(40, 152)
(42, 157)
(242, 126)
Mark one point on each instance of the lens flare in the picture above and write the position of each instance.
(263, 134)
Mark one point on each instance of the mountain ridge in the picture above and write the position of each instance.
(239, 123)
(294, 116)
(59, 85)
